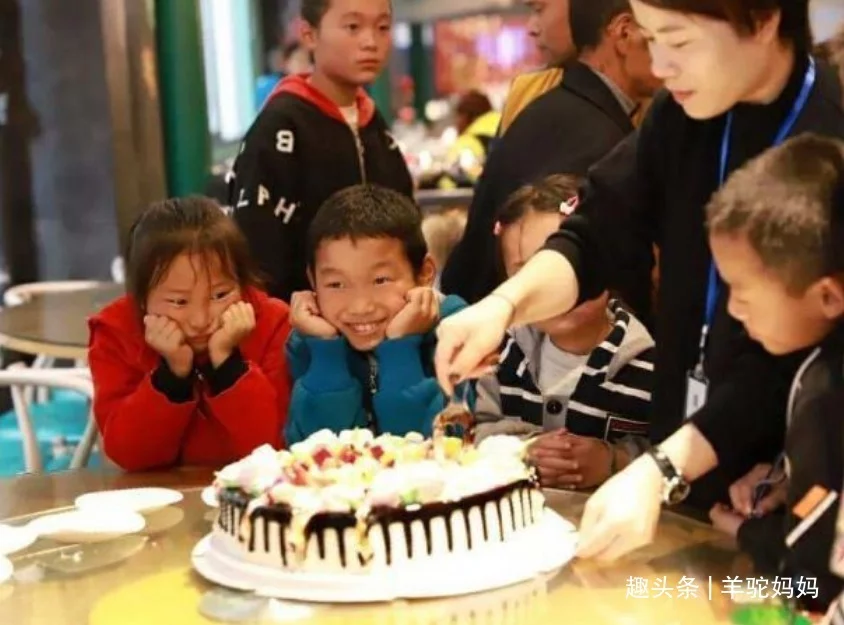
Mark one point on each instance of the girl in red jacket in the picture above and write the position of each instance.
(189, 367)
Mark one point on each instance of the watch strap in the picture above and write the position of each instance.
(666, 467)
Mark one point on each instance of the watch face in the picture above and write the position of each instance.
(678, 491)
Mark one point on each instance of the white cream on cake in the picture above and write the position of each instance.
(352, 502)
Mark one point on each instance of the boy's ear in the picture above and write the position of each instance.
(428, 272)
(311, 279)
(832, 297)
(308, 35)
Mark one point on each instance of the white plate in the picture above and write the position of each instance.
(134, 499)
(545, 548)
(209, 497)
(5, 569)
(14, 539)
(87, 526)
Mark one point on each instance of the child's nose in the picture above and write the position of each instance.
(362, 304)
(199, 318)
(369, 39)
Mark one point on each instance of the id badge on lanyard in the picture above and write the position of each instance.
(697, 384)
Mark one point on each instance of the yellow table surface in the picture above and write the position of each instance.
(148, 579)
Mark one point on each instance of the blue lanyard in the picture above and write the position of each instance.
(714, 288)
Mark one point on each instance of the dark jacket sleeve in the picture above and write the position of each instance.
(264, 193)
(753, 391)
(814, 447)
(473, 269)
(763, 539)
(402, 181)
(609, 240)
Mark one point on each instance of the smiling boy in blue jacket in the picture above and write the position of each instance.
(362, 346)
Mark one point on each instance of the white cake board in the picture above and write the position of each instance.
(544, 548)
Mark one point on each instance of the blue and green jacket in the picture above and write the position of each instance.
(392, 389)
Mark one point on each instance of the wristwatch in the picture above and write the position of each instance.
(675, 488)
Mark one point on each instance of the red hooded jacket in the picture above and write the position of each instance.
(143, 429)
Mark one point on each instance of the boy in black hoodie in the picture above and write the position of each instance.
(316, 134)
(777, 235)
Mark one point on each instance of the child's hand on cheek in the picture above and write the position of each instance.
(305, 316)
(418, 316)
(726, 519)
(166, 338)
(235, 325)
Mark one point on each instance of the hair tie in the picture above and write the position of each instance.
(496, 229)
(568, 206)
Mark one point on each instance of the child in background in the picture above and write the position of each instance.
(362, 346)
(584, 378)
(776, 230)
(442, 229)
(316, 134)
(188, 368)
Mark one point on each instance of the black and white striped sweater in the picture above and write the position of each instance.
(611, 399)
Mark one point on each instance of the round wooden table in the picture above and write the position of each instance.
(55, 324)
(147, 579)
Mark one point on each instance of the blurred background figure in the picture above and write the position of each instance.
(832, 51)
(443, 229)
(287, 61)
(469, 139)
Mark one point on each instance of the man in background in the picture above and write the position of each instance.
(561, 128)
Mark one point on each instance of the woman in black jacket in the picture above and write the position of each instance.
(739, 79)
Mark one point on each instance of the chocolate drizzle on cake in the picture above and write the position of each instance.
(234, 503)
(500, 519)
(483, 522)
(468, 529)
(341, 545)
(282, 542)
(388, 541)
(408, 539)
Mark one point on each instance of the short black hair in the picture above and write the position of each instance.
(789, 204)
(543, 196)
(312, 11)
(369, 212)
(589, 18)
(743, 15)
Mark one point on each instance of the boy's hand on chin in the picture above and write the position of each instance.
(305, 316)
(418, 316)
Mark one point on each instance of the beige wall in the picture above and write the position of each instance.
(827, 17)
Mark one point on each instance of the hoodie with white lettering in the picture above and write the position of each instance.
(301, 149)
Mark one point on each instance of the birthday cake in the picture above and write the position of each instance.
(355, 503)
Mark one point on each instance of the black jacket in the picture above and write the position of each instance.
(653, 188)
(298, 152)
(564, 131)
(814, 447)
